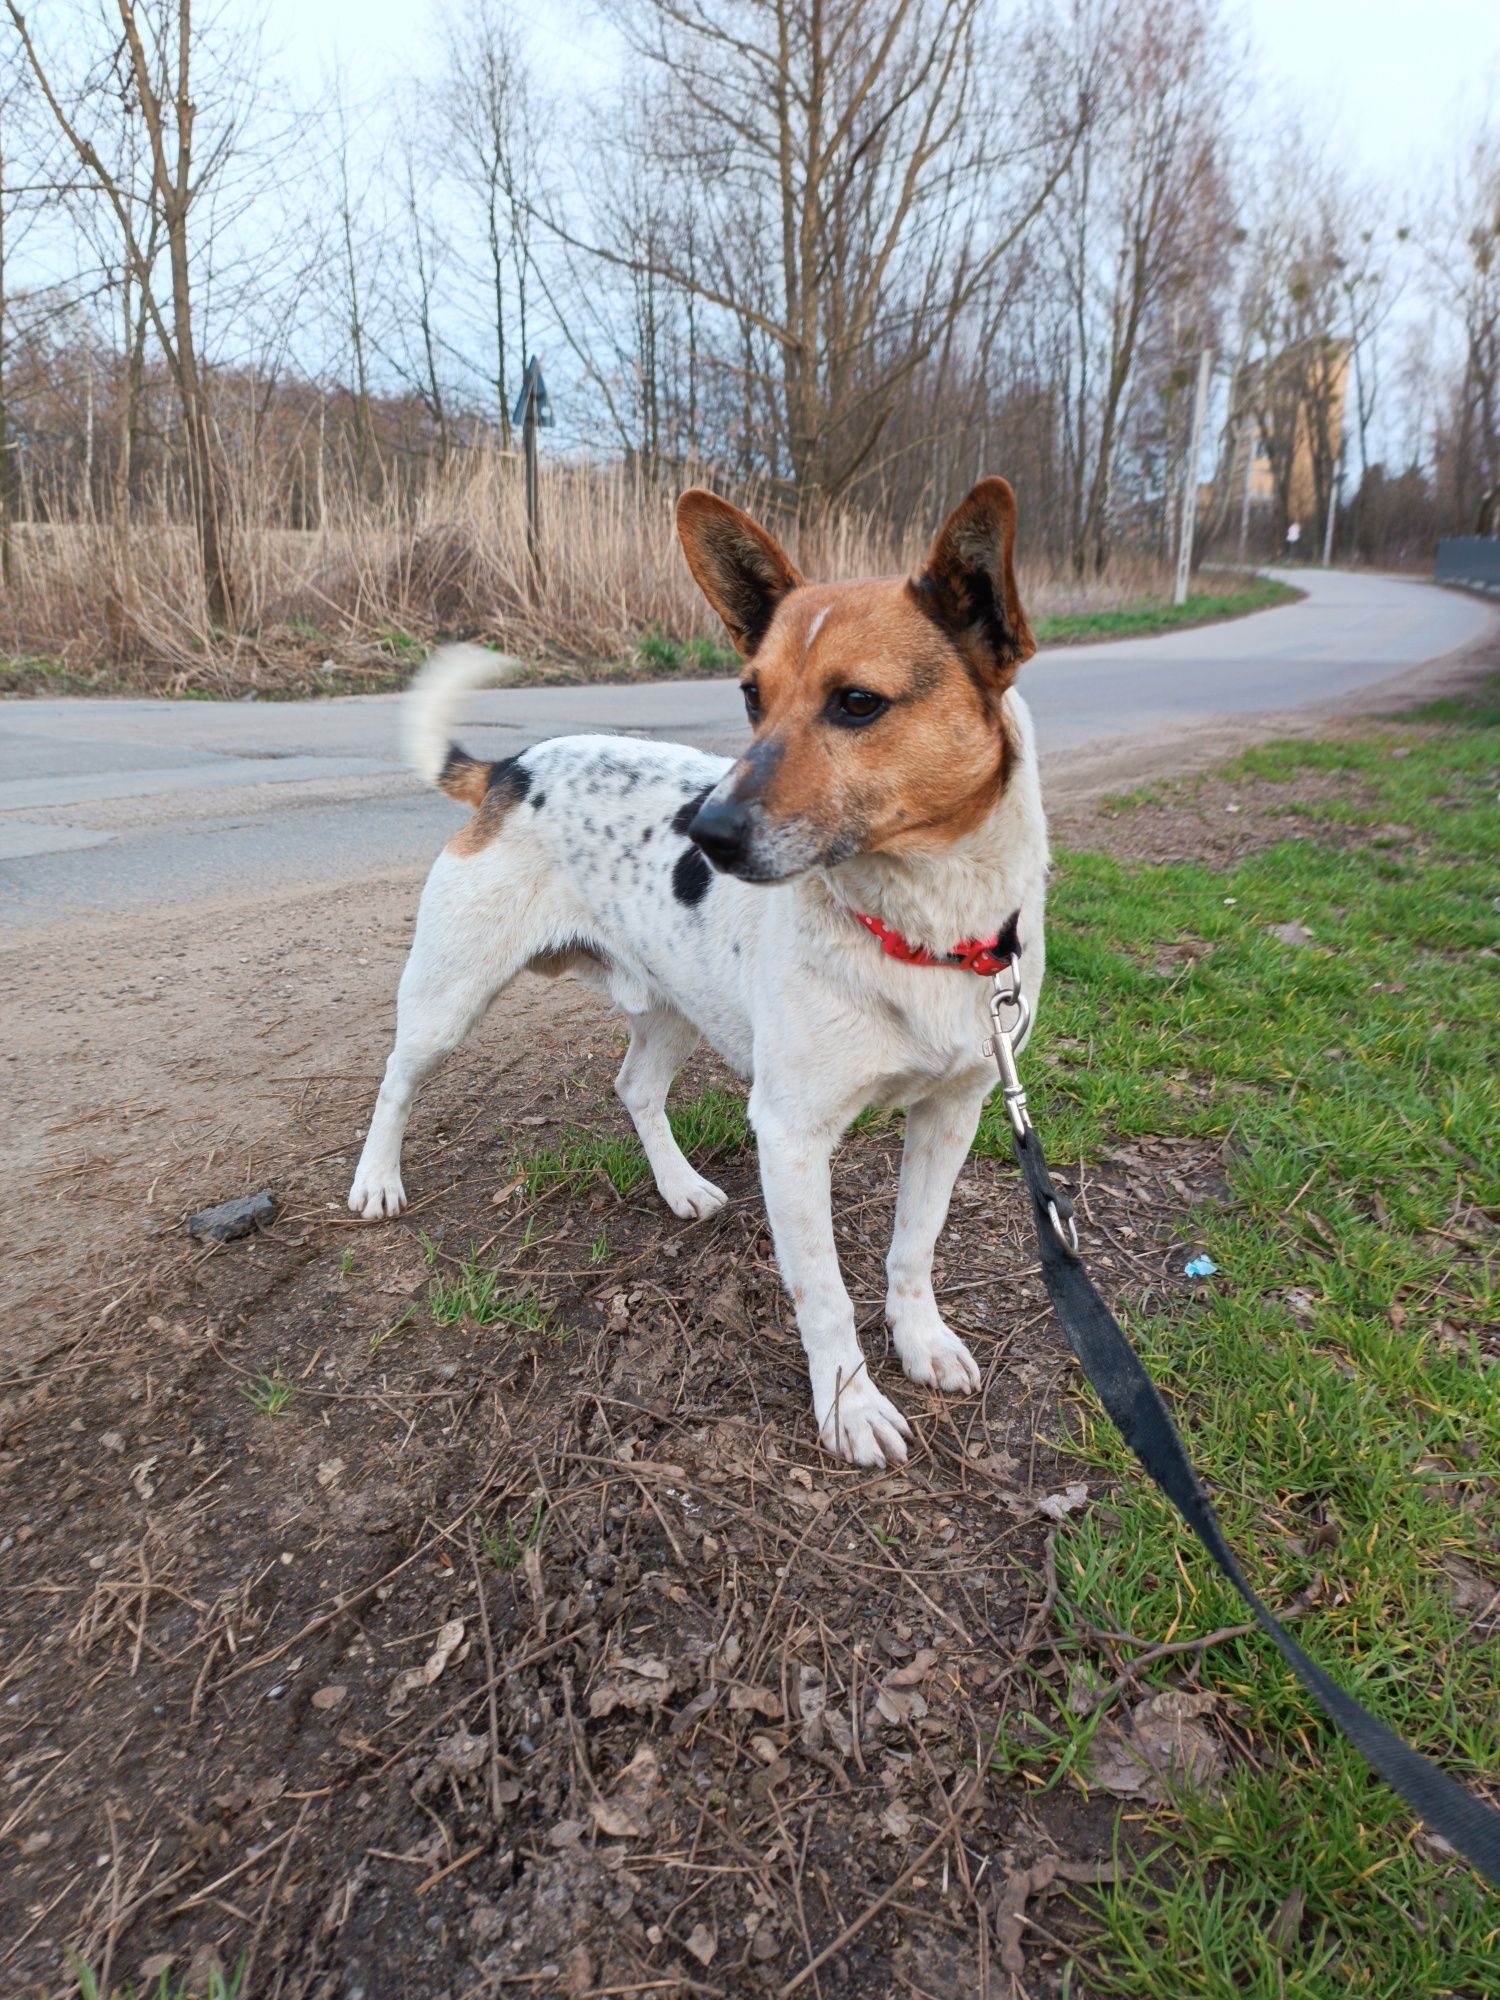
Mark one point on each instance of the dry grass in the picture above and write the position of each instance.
(347, 606)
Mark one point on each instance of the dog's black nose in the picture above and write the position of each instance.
(721, 829)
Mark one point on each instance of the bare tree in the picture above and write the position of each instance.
(1134, 242)
(1464, 275)
(493, 153)
(859, 180)
(159, 53)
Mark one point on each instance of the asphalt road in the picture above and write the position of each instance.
(110, 807)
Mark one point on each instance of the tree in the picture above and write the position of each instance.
(493, 148)
(1133, 245)
(1464, 275)
(860, 173)
(155, 194)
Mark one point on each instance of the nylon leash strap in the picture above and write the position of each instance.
(1136, 1409)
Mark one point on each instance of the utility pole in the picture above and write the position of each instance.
(533, 410)
(1190, 480)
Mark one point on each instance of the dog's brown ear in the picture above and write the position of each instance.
(968, 584)
(740, 569)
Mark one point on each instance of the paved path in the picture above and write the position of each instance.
(109, 807)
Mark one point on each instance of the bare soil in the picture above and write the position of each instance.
(732, 1705)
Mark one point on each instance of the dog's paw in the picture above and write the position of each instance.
(375, 1195)
(856, 1422)
(937, 1359)
(691, 1196)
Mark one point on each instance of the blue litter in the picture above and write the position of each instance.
(1199, 1267)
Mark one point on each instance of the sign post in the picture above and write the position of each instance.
(533, 411)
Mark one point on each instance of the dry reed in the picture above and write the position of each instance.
(348, 604)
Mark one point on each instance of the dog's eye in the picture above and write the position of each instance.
(751, 691)
(856, 705)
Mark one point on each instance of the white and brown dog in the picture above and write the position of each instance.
(888, 798)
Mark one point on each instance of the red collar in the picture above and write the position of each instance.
(986, 956)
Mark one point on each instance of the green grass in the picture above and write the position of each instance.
(713, 1122)
(474, 1292)
(1352, 1085)
(220, 1986)
(271, 1394)
(506, 1546)
(1153, 614)
(659, 655)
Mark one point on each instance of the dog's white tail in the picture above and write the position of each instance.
(427, 716)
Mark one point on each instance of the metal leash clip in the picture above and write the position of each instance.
(1008, 998)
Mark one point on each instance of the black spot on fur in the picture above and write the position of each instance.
(646, 833)
(538, 800)
(1008, 944)
(688, 811)
(691, 876)
(510, 778)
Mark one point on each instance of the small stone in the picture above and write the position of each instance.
(234, 1218)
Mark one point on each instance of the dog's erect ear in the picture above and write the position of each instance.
(969, 581)
(742, 572)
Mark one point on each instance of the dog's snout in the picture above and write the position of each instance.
(721, 828)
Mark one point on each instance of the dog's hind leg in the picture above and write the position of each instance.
(458, 964)
(661, 1040)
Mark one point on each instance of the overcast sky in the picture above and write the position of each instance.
(1392, 79)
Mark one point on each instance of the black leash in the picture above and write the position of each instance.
(1142, 1419)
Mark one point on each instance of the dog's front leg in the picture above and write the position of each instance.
(854, 1419)
(939, 1133)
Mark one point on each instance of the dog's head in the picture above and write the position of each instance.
(875, 705)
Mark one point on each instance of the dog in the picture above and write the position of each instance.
(815, 909)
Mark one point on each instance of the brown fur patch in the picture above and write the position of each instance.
(502, 790)
(941, 649)
(923, 773)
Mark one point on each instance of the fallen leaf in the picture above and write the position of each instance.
(1059, 1505)
(625, 1814)
(1164, 1745)
(1291, 933)
(702, 1942)
(917, 1669)
(755, 1701)
(410, 1679)
(1287, 1923)
(636, 1683)
(329, 1471)
(896, 1820)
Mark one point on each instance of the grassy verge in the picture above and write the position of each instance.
(1148, 616)
(1337, 1381)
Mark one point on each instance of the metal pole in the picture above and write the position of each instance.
(1190, 481)
(533, 521)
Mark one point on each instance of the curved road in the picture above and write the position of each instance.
(111, 807)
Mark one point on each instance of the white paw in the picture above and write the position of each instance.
(376, 1195)
(937, 1358)
(858, 1423)
(691, 1196)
